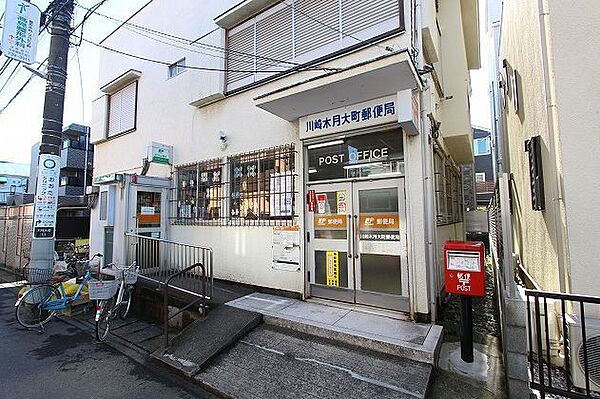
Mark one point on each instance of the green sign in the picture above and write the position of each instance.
(161, 153)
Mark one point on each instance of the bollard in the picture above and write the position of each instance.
(466, 329)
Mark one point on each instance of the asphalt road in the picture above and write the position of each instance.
(65, 362)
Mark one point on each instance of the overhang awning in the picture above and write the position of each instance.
(242, 11)
(362, 82)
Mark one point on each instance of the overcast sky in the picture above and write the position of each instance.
(21, 123)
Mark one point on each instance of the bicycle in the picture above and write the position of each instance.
(107, 306)
(47, 295)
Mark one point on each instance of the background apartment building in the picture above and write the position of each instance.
(13, 181)
(340, 122)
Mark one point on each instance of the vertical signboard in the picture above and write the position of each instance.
(46, 197)
(20, 31)
(333, 272)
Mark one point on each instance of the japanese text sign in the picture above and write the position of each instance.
(46, 198)
(20, 31)
(370, 113)
(464, 267)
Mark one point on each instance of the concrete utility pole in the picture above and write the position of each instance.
(48, 173)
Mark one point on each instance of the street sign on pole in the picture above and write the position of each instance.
(20, 31)
(46, 197)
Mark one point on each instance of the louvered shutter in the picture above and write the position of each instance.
(317, 24)
(114, 114)
(358, 15)
(128, 105)
(240, 56)
(122, 111)
(274, 39)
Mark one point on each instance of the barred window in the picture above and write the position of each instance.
(254, 188)
(262, 186)
(448, 190)
(199, 192)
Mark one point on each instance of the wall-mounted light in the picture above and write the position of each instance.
(223, 140)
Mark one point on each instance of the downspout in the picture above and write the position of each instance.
(432, 276)
(551, 114)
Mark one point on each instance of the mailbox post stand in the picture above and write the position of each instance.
(465, 276)
(466, 329)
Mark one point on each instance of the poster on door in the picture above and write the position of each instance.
(333, 268)
(321, 203)
(342, 202)
(286, 248)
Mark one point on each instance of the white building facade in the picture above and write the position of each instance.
(336, 126)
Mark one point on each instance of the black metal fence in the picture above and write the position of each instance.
(568, 364)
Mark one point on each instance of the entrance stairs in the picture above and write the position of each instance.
(267, 346)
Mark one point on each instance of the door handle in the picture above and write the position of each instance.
(349, 235)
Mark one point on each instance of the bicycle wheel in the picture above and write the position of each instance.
(31, 313)
(125, 304)
(103, 322)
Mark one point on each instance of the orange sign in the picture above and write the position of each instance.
(337, 222)
(379, 221)
(148, 218)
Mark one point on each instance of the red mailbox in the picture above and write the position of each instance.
(464, 266)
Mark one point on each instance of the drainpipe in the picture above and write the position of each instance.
(551, 109)
(429, 227)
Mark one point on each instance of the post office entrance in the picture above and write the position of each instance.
(356, 229)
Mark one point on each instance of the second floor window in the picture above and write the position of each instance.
(482, 146)
(122, 110)
(299, 31)
(177, 68)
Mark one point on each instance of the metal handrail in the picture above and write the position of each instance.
(180, 254)
(540, 356)
(166, 297)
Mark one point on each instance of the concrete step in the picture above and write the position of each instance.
(203, 339)
(369, 330)
(272, 362)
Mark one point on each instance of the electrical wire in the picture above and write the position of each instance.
(22, 88)
(191, 42)
(81, 86)
(168, 63)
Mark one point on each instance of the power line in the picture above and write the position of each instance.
(168, 63)
(14, 71)
(191, 42)
(22, 88)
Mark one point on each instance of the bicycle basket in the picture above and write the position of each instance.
(130, 276)
(37, 276)
(102, 289)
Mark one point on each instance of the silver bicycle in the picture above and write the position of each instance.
(112, 305)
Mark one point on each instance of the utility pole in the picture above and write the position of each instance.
(48, 172)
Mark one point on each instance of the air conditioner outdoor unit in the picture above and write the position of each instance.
(576, 362)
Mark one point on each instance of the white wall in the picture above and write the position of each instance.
(574, 47)
(164, 115)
